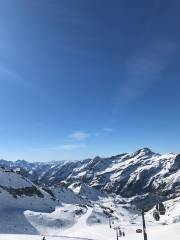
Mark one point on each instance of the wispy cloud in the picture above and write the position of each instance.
(79, 135)
(13, 77)
(8, 74)
(107, 129)
(143, 70)
(68, 147)
(76, 142)
(72, 146)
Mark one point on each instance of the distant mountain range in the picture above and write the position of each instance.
(139, 176)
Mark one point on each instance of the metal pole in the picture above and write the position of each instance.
(109, 221)
(144, 226)
(117, 234)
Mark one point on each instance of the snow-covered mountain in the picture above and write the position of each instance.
(137, 176)
(34, 170)
(17, 192)
(75, 199)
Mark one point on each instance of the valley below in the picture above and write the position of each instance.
(90, 199)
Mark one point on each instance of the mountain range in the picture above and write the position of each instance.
(140, 177)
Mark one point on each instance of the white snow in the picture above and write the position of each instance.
(31, 237)
(93, 224)
(99, 232)
(82, 213)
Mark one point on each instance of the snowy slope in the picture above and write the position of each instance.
(18, 194)
(134, 175)
(86, 192)
(103, 232)
(93, 223)
(172, 213)
(34, 171)
(76, 198)
(30, 213)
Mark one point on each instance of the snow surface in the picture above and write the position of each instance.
(100, 232)
(83, 213)
(11, 182)
(30, 237)
(93, 224)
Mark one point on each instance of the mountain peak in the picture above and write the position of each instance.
(143, 152)
(146, 150)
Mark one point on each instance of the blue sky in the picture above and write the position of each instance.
(85, 78)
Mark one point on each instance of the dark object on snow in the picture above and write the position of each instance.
(44, 238)
(156, 215)
(161, 208)
(139, 230)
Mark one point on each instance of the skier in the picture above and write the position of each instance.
(44, 238)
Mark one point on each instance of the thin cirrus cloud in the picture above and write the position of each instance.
(107, 129)
(68, 147)
(143, 70)
(72, 146)
(79, 135)
(9, 76)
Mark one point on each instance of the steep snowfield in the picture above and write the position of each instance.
(173, 210)
(66, 195)
(18, 194)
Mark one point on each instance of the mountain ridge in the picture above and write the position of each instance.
(137, 175)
